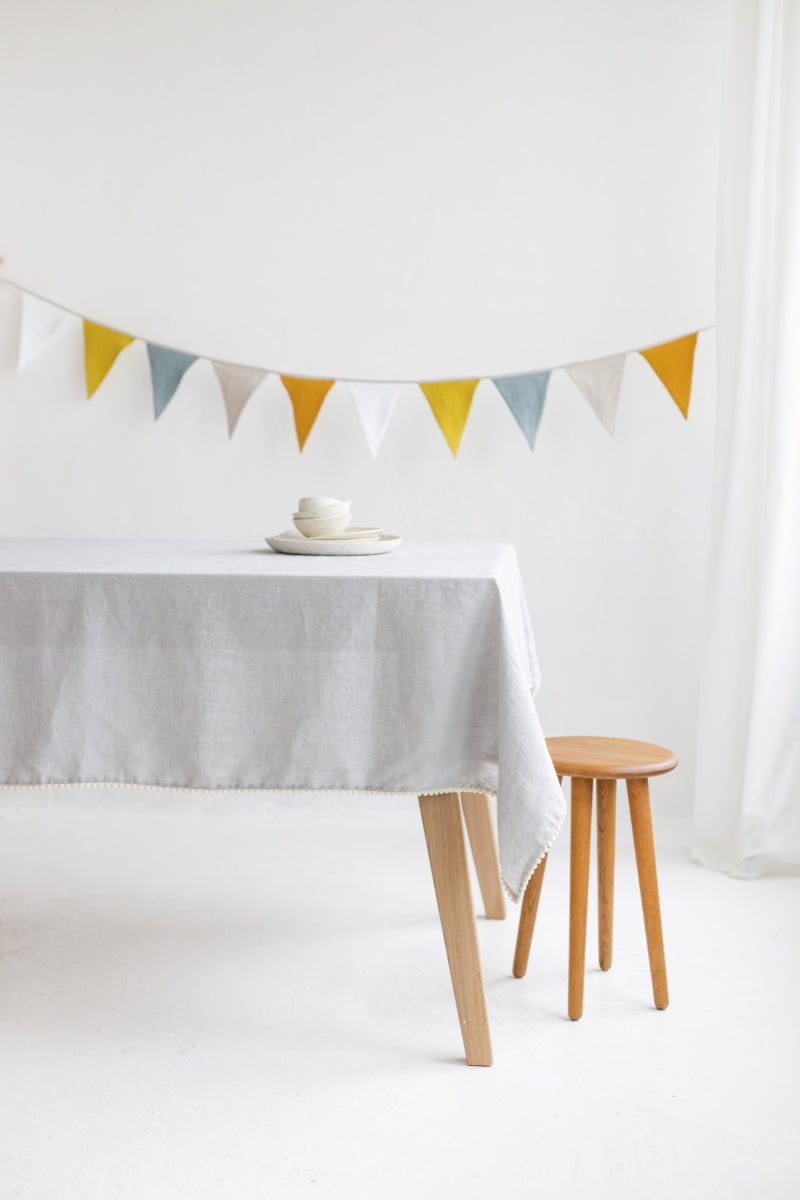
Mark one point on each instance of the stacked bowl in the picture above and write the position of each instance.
(321, 516)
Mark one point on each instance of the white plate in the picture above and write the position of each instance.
(292, 542)
(350, 534)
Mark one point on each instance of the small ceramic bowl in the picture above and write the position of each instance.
(319, 526)
(340, 509)
(322, 506)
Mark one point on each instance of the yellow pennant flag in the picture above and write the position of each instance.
(450, 404)
(306, 396)
(673, 364)
(100, 348)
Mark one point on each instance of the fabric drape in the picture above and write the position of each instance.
(224, 665)
(747, 801)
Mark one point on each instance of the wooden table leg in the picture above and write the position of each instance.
(642, 825)
(527, 919)
(444, 833)
(478, 817)
(580, 842)
(606, 825)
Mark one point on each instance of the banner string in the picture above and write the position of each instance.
(338, 377)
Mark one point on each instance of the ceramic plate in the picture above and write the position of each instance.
(292, 542)
(347, 535)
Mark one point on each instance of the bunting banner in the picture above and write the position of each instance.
(525, 396)
(101, 347)
(167, 369)
(375, 403)
(237, 385)
(599, 380)
(673, 363)
(306, 396)
(450, 404)
(39, 322)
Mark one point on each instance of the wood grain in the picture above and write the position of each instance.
(477, 811)
(580, 844)
(444, 834)
(606, 827)
(609, 758)
(642, 825)
(527, 919)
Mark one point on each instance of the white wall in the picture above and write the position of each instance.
(368, 190)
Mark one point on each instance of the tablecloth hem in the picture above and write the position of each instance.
(539, 860)
(299, 791)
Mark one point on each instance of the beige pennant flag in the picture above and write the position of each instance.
(237, 385)
(450, 404)
(306, 396)
(600, 382)
(673, 363)
(101, 347)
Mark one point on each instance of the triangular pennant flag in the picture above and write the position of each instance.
(673, 363)
(600, 381)
(306, 396)
(450, 404)
(167, 368)
(238, 385)
(39, 321)
(100, 349)
(375, 404)
(525, 395)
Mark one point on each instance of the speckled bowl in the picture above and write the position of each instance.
(318, 526)
(322, 506)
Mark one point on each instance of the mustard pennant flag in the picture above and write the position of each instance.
(525, 396)
(100, 349)
(600, 381)
(306, 396)
(167, 369)
(237, 385)
(450, 404)
(673, 363)
(39, 321)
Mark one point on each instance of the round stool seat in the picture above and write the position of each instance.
(608, 758)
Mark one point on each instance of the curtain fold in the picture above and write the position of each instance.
(747, 798)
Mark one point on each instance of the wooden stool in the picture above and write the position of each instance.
(585, 759)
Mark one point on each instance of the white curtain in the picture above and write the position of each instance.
(747, 801)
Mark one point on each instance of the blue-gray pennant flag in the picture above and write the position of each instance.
(525, 396)
(167, 368)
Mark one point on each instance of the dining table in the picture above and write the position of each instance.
(223, 665)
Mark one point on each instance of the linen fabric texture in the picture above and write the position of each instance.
(39, 320)
(375, 403)
(217, 665)
(525, 396)
(600, 381)
(747, 788)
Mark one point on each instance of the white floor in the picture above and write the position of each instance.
(199, 1002)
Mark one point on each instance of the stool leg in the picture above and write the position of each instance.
(642, 825)
(527, 919)
(606, 825)
(580, 842)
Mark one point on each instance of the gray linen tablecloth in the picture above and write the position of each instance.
(217, 665)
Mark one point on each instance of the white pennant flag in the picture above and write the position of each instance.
(600, 381)
(375, 404)
(39, 322)
(238, 385)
